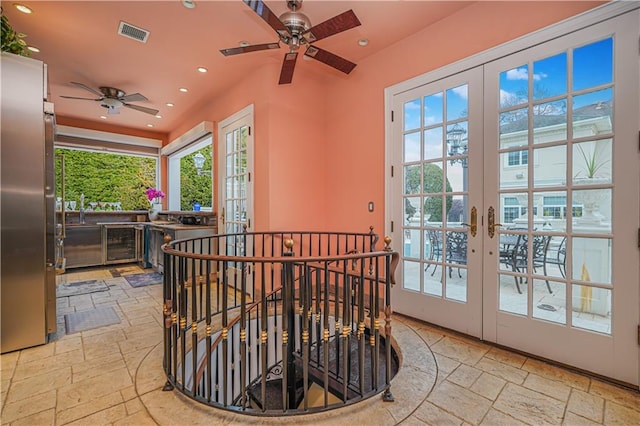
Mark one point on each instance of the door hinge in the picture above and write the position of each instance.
(249, 131)
(638, 334)
(391, 171)
(638, 237)
(249, 177)
(392, 116)
(248, 223)
(392, 226)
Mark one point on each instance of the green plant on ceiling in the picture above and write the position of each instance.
(12, 41)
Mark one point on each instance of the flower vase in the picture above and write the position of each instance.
(154, 210)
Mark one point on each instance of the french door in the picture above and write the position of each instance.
(235, 201)
(439, 175)
(549, 139)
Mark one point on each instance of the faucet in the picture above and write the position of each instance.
(82, 209)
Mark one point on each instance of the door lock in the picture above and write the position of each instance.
(473, 226)
(491, 229)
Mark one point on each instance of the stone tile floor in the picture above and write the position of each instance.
(113, 375)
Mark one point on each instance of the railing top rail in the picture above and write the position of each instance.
(288, 256)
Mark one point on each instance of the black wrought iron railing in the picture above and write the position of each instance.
(277, 323)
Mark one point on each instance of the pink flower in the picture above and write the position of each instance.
(154, 195)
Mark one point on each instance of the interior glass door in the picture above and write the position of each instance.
(561, 272)
(437, 170)
(235, 200)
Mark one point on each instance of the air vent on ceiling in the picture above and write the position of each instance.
(133, 32)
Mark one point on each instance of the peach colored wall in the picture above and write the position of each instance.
(355, 118)
(319, 143)
(290, 148)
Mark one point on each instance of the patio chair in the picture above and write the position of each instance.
(435, 249)
(456, 250)
(556, 256)
(517, 257)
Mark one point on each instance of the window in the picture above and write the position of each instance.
(188, 184)
(556, 207)
(518, 158)
(108, 180)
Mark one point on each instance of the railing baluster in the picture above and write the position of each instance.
(290, 305)
(208, 329)
(387, 395)
(225, 334)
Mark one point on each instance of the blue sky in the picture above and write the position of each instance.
(592, 66)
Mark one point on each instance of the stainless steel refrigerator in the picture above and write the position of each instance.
(27, 215)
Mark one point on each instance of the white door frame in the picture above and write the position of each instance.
(245, 116)
(631, 185)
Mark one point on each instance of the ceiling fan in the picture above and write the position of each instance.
(112, 99)
(295, 30)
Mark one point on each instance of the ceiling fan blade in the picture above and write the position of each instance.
(134, 97)
(85, 87)
(335, 25)
(75, 97)
(251, 48)
(269, 17)
(288, 65)
(141, 108)
(330, 59)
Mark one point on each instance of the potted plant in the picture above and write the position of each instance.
(592, 162)
(12, 41)
(590, 166)
(155, 197)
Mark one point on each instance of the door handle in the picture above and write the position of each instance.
(491, 229)
(473, 226)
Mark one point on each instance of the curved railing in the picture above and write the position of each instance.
(277, 323)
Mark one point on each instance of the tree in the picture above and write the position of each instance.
(194, 187)
(431, 183)
(433, 176)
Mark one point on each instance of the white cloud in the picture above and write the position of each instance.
(540, 76)
(413, 105)
(523, 74)
(507, 98)
(517, 74)
(462, 91)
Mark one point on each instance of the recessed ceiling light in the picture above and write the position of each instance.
(169, 104)
(183, 89)
(189, 4)
(158, 116)
(104, 117)
(22, 8)
(202, 69)
(363, 42)
(244, 43)
(33, 49)
(149, 125)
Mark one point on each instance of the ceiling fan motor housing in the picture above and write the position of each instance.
(295, 30)
(297, 23)
(111, 92)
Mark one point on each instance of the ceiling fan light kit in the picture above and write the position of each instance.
(295, 30)
(112, 99)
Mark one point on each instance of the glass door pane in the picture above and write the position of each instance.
(440, 170)
(560, 176)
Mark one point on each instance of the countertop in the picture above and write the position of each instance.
(158, 224)
(177, 226)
